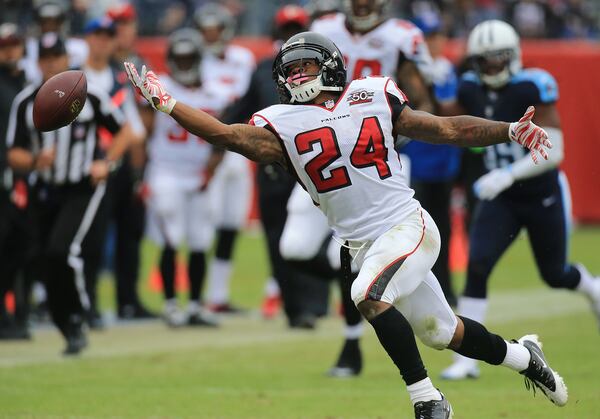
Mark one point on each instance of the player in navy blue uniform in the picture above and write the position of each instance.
(515, 193)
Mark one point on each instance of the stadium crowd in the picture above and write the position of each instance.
(68, 208)
(532, 18)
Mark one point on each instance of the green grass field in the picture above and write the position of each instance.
(252, 368)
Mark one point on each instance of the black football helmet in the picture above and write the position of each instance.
(184, 55)
(309, 46)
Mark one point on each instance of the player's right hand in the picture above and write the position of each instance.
(530, 136)
(149, 86)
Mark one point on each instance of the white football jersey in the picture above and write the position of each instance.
(378, 51)
(174, 150)
(344, 156)
(230, 75)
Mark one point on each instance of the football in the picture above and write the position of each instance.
(59, 100)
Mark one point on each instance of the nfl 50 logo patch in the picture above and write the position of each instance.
(360, 96)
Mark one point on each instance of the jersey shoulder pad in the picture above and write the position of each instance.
(378, 83)
(270, 115)
(470, 77)
(546, 86)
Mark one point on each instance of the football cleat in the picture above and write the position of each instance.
(461, 369)
(226, 308)
(539, 374)
(433, 409)
(75, 337)
(174, 316)
(201, 317)
(271, 306)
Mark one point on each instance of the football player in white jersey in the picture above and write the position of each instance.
(372, 44)
(228, 69)
(179, 169)
(338, 139)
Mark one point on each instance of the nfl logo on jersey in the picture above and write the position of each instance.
(360, 96)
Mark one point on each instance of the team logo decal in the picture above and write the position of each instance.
(376, 43)
(360, 96)
(60, 93)
(75, 106)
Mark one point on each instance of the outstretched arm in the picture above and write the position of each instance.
(258, 144)
(470, 131)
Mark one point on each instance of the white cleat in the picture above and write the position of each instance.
(174, 316)
(540, 375)
(461, 370)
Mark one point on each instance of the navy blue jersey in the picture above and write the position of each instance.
(528, 87)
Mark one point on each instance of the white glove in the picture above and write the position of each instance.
(530, 136)
(149, 86)
(490, 185)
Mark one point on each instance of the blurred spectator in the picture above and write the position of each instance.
(532, 18)
(576, 19)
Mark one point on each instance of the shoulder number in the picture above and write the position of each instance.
(369, 150)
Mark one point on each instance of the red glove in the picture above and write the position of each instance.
(530, 136)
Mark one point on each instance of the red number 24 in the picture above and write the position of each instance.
(369, 150)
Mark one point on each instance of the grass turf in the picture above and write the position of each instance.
(257, 369)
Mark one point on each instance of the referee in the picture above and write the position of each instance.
(70, 167)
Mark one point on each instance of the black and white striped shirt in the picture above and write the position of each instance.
(75, 145)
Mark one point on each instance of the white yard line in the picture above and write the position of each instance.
(138, 338)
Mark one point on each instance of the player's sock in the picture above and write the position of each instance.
(423, 391)
(587, 283)
(196, 272)
(517, 357)
(480, 344)
(472, 308)
(272, 288)
(354, 332)
(167, 271)
(218, 281)
(398, 340)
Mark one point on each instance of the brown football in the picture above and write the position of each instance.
(59, 100)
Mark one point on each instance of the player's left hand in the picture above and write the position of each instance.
(530, 136)
(490, 185)
(150, 87)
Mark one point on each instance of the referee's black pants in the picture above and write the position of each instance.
(71, 223)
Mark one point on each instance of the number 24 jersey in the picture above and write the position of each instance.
(344, 156)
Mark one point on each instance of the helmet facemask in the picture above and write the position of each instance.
(364, 23)
(300, 89)
(494, 67)
(184, 57)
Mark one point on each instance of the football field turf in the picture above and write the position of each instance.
(252, 368)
